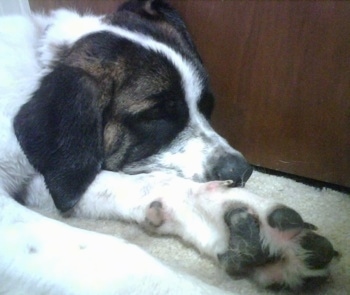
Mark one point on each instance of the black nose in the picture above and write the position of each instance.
(233, 167)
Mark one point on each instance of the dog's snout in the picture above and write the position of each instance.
(232, 167)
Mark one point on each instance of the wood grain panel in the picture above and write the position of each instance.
(281, 74)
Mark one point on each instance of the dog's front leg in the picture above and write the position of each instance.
(247, 234)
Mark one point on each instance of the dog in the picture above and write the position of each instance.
(109, 117)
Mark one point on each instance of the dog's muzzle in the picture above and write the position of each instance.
(231, 167)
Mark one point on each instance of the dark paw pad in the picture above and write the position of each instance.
(245, 249)
(288, 221)
(284, 218)
(320, 250)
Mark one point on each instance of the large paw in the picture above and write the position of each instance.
(278, 250)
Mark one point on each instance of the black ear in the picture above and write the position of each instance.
(161, 12)
(145, 8)
(60, 131)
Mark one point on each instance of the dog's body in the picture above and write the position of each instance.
(81, 95)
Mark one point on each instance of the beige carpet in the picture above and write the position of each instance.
(328, 209)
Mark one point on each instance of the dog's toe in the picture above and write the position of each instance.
(304, 255)
(285, 218)
(320, 251)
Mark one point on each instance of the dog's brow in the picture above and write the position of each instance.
(191, 81)
(139, 106)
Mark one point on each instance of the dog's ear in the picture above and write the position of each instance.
(60, 132)
(163, 14)
(145, 8)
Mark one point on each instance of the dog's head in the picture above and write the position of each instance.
(126, 92)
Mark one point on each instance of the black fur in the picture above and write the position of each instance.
(55, 129)
(206, 103)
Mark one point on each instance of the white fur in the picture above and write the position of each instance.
(42, 256)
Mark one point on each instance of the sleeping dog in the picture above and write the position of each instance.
(109, 117)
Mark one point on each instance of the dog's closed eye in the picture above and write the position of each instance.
(155, 113)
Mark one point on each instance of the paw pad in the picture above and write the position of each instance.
(320, 250)
(245, 249)
(284, 218)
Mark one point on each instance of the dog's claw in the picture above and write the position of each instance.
(227, 183)
(310, 226)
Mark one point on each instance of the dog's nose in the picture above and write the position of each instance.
(232, 167)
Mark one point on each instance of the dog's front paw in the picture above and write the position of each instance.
(251, 236)
(276, 250)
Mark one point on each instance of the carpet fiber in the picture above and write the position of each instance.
(328, 209)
